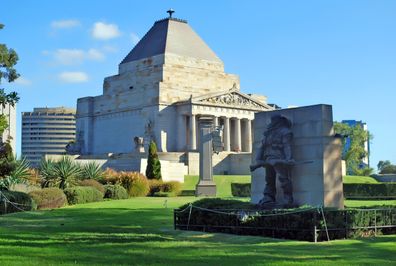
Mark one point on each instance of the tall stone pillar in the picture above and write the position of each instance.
(238, 135)
(248, 135)
(226, 134)
(215, 121)
(193, 131)
(206, 186)
(181, 132)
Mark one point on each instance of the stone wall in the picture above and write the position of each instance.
(316, 183)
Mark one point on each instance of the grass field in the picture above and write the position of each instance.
(223, 183)
(139, 231)
(358, 179)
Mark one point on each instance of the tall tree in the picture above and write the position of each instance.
(354, 154)
(153, 170)
(8, 59)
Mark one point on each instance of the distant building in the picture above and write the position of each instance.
(354, 123)
(10, 132)
(47, 131)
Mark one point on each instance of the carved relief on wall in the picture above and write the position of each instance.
(233, 99)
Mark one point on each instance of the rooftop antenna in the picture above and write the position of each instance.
(170, 12)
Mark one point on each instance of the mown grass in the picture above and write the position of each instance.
(358, 179)
(139, 231)
(223, 183)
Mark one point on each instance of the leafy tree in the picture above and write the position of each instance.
(8, 59)
(153, 170)
(382, 164)
(353, 154)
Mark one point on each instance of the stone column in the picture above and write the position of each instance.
(181, 132)
(238, 143)
(215, 121)
(226, 134)
(193, 137)
(249, 135)
(206, 186)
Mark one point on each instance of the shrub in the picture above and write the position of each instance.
(135, 183)
(49, 198)
(79, 194)
(110, 176)
(91, 170)
(240, 189)
(153, 170)
(115, 192)
(158, 188)
(373, 191)
(92, 183)
(20, 202)
(67, 172)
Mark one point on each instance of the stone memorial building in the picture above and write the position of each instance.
(168, 79)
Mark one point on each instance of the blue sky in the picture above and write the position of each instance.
(296, 52)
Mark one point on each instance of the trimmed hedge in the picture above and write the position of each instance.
(351, 191)
(370, 191)
(237, 217)
(115, 192)
(158, 188)
(240, 189)
(49, 198)
(79, 194)
(92, 183)
(20, 202)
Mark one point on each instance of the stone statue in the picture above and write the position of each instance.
(275, 155)
(139, 144)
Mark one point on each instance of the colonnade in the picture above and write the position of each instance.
(237, 133)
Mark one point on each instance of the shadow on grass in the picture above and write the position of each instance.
(146, 236)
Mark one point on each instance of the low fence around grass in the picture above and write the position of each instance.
(351, 191)
(309, 224)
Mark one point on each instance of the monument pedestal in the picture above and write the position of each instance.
(205, 188)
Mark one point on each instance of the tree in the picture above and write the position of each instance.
(153, 170)
(382, 164)
(8, 59)
(354, 153)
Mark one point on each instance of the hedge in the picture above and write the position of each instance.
(78, 195)
(20, 201)
(237, 217)
(159, 188)
(240, 189)
(370, 191)
(115, 192)
(49, 198)
(351, 191)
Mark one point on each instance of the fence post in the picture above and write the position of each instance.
(346, 224)
(375, 222)
(315, 229)
(174, 219)
(2, 198)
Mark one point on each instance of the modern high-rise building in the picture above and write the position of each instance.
(47, 131)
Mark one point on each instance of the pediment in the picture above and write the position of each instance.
(233, 99)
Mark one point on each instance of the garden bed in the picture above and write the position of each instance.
(307, 224)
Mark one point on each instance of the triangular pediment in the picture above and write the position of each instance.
(231, 98)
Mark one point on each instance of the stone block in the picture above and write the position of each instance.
(319, 182)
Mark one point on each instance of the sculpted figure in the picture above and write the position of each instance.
(276, 156)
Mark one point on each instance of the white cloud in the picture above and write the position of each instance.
(65, 24)
(69, 56)
(134, 38)
(73, 77)
(23, 81)
(95, 54)
(110, 49)
(77, 56)
(103, 31)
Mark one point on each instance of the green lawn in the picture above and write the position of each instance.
(223, 183)
(358, 179)
(139, 231)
